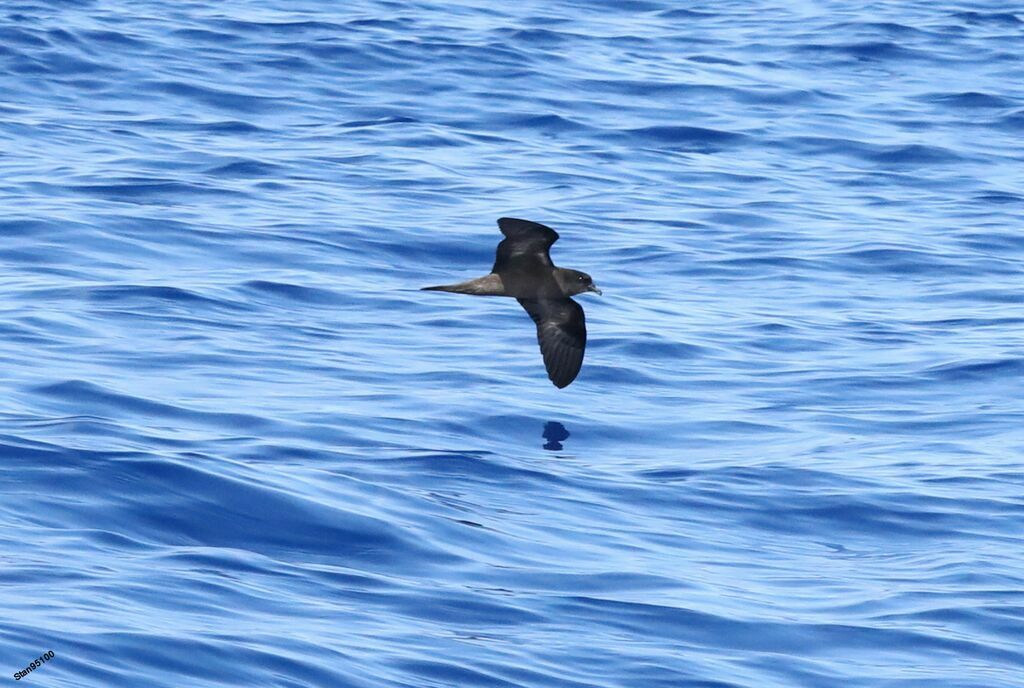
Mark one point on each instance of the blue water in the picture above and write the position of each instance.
(238, 447)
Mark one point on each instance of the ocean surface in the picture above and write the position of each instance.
(239, 447)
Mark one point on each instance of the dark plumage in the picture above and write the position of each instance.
(523, 270)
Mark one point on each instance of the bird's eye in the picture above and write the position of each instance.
(581, 278)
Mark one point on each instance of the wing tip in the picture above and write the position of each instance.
(563, 370)
(513, 225)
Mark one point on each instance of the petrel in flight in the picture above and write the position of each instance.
(523, 270)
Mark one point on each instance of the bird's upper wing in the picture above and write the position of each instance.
(562, 334)
(525, 246)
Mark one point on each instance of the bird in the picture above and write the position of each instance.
(523, 270)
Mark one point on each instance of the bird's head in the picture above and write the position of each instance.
(575, 282)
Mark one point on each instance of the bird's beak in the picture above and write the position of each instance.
(593, 287)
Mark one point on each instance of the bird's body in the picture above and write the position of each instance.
(523, 270)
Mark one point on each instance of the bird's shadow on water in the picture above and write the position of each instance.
(555, 433)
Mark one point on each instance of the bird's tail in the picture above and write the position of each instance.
(489, 285)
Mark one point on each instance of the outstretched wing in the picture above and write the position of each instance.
(525, 246)
(562, 334)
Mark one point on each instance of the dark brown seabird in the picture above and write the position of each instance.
(523, 270)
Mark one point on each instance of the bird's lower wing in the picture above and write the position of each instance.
(562, 334)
